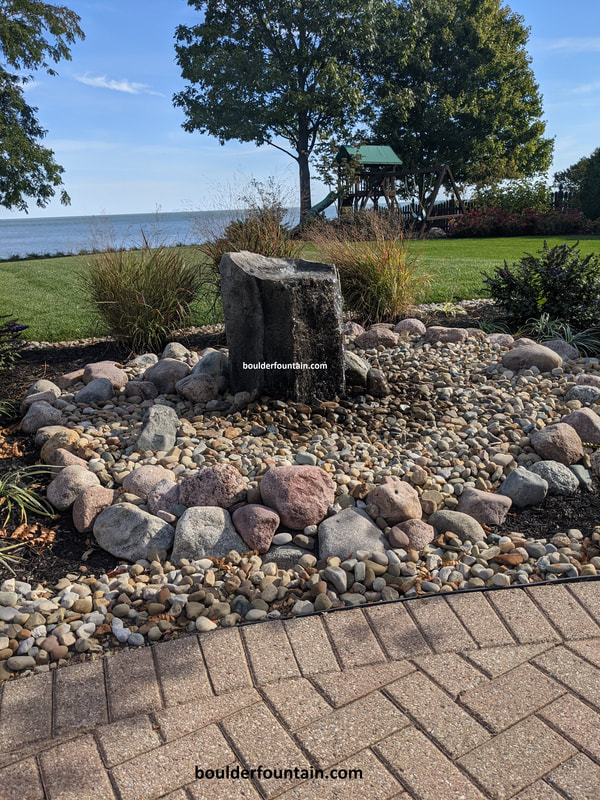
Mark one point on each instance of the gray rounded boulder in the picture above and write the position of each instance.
(205, 531)
(524, 488)
(524, 356)
(559, 478)
(462, 525)
(350, 530)
(126, 531)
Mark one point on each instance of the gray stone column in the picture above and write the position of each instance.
(283, 311)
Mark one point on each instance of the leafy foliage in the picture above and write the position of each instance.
(590, 187)
(582, 180)
(279, 72)
(143, 295)
(32, 35)
(456, 87)
(10, 332)
(378, 277)
(514, 196)
(558, 282)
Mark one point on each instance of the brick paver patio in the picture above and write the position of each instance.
(489, 695)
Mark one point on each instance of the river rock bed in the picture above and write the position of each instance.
(389, 491)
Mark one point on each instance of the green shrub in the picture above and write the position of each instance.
(143, 296)
(378, 277)
(558, 282)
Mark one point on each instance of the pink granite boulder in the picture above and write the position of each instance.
(256, 525)
(584, 379)
(353, 329)
(437, 333)
(89, 504)
(165, 374)
(396, 500)
(142, 480)
(105, 369)
(300, 494)
(485, 507)
(68, 485)
(220, 485)
(413, 533)
(410, 325)
(376, 336)
(198, 388)
(524, 356)
(585, 422)
(503, 339)
(64, 458)
(163, 497)
(559, 442)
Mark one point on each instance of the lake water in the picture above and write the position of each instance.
(72, 234)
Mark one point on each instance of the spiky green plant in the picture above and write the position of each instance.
(15, 493)
(6, 560)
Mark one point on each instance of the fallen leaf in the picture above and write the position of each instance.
(11, 450)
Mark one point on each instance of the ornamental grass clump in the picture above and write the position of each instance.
(143, 296)
(557, 282)
(379, 279)
(261, 228)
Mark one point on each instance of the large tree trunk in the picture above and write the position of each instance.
(304, 170)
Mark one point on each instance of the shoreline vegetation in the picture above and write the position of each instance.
(45, 293)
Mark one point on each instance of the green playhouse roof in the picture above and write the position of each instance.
(369, 154)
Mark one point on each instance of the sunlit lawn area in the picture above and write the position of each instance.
(45, 294)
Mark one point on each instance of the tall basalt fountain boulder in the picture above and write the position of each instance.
(283, 312)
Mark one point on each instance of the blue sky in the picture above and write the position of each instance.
(113, 127)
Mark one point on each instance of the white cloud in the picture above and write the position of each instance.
(29, 85)
(103, 82)
(587, 88)
(572, 44)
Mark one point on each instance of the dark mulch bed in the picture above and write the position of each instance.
(67, 552)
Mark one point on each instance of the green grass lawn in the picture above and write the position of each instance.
(45, 294)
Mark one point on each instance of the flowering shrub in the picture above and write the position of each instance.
(558, 282)
(528, 222)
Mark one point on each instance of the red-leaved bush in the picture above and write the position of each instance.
(495, 222)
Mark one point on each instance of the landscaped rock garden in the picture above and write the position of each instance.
(233, 508)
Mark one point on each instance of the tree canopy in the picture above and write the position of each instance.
(279, 72)
(441, 81)
(582, 179)
(462, 92)
(33, 35)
